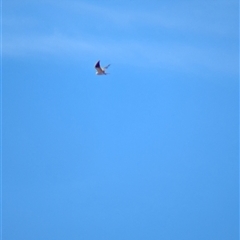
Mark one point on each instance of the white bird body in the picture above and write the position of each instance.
(100, 70)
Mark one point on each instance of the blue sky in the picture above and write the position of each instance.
(149, 151)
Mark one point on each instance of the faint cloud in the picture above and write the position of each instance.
(142, 54)
(202, 17)
(100, 12)
(198, 17)
(48, 44)
(177, 50)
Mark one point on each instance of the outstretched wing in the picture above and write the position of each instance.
(97, 65)
(98, 68)
(106, 66)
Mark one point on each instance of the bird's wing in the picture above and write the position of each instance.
(98, 67)
(107, 66)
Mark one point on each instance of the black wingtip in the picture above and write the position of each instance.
(97, 64)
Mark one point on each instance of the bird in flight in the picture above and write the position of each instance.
(100, 70)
